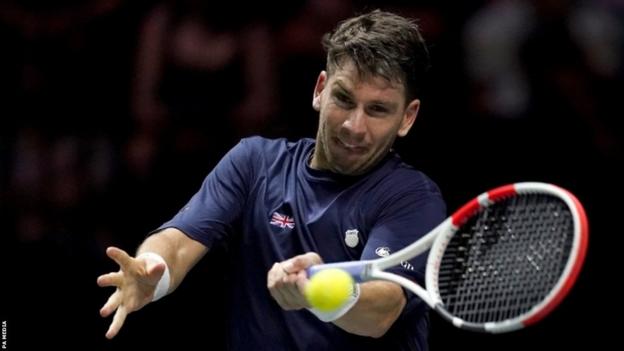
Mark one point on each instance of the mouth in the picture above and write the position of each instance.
(351, 148)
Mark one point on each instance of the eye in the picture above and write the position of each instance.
(343, 100)
(378, 110)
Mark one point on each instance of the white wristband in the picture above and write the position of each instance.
(162, 288)
(340, 311)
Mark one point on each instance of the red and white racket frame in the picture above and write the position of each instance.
(447, 229)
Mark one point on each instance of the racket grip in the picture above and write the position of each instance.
(359, 270)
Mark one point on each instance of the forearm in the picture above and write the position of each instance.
(379, 305)
(179, 251)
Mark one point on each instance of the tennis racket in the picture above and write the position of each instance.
(502, 262)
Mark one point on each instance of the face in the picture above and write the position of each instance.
(359, 120)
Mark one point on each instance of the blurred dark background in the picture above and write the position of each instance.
(113, 111)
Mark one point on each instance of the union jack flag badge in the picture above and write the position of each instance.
(282, 221)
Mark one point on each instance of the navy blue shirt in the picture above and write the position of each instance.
(269, 205)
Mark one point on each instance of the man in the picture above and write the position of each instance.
(284, 206)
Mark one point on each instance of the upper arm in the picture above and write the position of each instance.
(402, 221)
(210, 214)
(403, 216)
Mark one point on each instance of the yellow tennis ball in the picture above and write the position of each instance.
(329, 289)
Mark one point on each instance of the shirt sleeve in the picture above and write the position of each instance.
(405, 218)
(402, 222)
(210, 213)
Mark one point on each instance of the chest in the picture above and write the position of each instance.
(294, 217)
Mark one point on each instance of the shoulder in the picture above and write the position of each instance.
(401, 188)
(400, 177)
(265, 152)
(263, 146)
(406, 197)
(413, 179)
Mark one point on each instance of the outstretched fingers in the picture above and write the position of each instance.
(111, 305)
(118, 321)
(120, 256)
(110, 279)
(115, 301)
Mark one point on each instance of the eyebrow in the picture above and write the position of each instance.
(339, 87)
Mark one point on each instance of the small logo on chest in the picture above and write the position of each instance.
(282, 221)
(352, 238)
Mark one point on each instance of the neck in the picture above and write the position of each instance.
(313, 159)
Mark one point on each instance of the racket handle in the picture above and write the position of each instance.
(359, 270)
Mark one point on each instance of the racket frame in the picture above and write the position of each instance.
(438, 239)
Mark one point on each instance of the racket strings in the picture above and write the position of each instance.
(506, 258)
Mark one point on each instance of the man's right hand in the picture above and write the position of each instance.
(135, 281)
(286, 280)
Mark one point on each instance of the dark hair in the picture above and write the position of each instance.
(380, 44)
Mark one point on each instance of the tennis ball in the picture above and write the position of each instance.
(329, 289)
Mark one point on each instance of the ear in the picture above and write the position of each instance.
(318, 89)
(411, 112)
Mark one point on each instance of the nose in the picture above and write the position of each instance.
(355, 124)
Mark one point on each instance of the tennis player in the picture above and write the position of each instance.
(283, 206)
